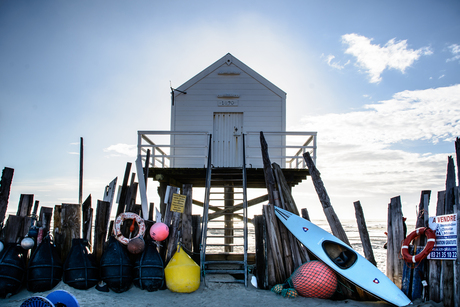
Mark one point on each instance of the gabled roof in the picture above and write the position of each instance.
(229, 59)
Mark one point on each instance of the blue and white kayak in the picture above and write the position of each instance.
(342, 259)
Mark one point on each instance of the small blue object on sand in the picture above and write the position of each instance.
(37, 301)
(62, 298)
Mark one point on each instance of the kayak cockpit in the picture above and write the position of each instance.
(342, 256)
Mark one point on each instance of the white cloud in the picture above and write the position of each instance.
(335, 65)
(357, 158)
(122, 149)
(455, 49)
(374, 59)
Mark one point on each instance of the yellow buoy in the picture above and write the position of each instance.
(182, 274)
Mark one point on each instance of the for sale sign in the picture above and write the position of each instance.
(446, 237)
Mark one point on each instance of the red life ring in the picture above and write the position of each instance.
(126, 216)
(431, 238)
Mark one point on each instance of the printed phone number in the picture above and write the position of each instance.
(443, 254)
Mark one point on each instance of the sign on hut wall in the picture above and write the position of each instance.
(178, 203)
(446, 237)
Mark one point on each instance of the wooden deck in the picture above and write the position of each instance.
(221, 176)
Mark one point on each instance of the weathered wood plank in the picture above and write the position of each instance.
(100, 227)
(196, 230)
(124, 190)
(26, 201)
(285, 190)
(272, 275)
(5, 188)
(187, 236)
(363, 233)
(45, 216)
(395, 237)
(87, 213)
(12, 229)
(70, 225)
(261, 266)
(109, 192)
(332, 218)
(457, 261)
(435, 266)
(422, 216)
(448, 266)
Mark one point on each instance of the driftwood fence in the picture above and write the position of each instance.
(439, 279)
(276, 251)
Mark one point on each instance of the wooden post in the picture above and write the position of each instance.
(109, 192)
(395, 238)
(46, 214)
(57, 229)
(363, 233)
(261, 262)
(269, 178)
(290, 204)
(305, 214)
(435, 266)
(5, 187)
(186, 233)
(147, 167)
(80, 188)
(12, 229)
(448, 265)
(71, 227)
(196, 230)
(124, 190)
(162, 193)
(87, 213)
(273, 275)
(332, 218)
(100, 229)
(457, 261)
(26, 201)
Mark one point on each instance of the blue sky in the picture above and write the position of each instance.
(378, 80)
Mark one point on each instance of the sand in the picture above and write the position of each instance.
(212, 294)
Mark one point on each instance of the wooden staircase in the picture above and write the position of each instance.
(225, 225)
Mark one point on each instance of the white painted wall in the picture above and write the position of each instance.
(228, 85)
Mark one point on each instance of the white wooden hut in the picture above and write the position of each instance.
(214, 142)
(227, 99)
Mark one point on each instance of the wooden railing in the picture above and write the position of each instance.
(285, 148)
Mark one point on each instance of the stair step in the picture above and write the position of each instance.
(224, 262)
(224, 271)
(224, 244)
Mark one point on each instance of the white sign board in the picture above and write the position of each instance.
(446, 237)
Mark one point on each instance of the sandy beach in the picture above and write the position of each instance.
(213, 294)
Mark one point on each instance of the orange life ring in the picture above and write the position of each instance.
(431, 238)
(126, 216)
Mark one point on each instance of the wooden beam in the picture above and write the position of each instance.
(187, 238)
(70, 225)
(26, 202)
(87, 214)
(395, 238)
(363, 233)
(435, 266)
(124, 190)
(332, 218)
(100, 228)
(448, 266)
(5, 187)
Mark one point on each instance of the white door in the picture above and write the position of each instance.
(227, 139)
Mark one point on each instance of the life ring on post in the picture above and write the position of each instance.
(128, 216)
(431, 238)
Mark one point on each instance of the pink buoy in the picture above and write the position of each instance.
(159, 231)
